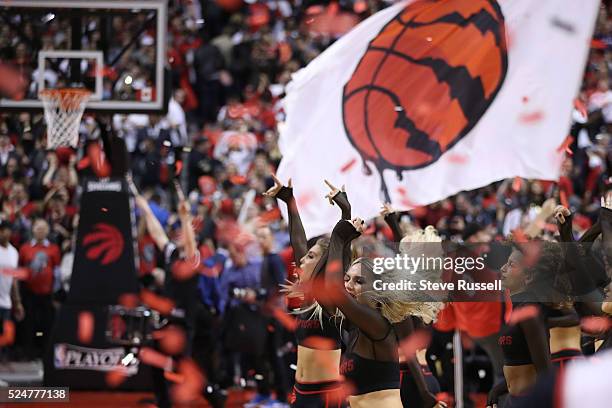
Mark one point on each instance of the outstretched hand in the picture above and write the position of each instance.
(386, 209)
(561, 213)
(277, 187)
(334, 192)
(184, 207)
(338, 196)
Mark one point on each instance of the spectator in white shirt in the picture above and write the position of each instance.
(9, 291)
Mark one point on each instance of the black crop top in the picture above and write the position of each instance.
(512, 339)
(370, 375)
(308, 328)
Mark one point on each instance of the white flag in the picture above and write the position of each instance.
(429, 98)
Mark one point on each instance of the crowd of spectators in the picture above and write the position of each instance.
(228, 73)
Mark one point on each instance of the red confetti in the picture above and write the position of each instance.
(116, 377)
(8, 335)
(523, 313)
(595, 324)
(334, 266)
(287, 321)
(193, 385)
(419, 340)
(161, 304)
(563, 198)
(270, 216)
(154, 358)
(348, 165)
(319, 343)
(321, 291)
(532, 117)
(86, 327)
(17, 273)
(12, 82)
(174, 377)
(525, 99)
(129, 300)
(183, 269)
(179, 167)
(171, 339)
(98, 161)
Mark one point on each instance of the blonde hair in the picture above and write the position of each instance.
(397, 305)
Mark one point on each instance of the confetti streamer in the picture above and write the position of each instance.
(154, 358)
(86, 327)
(521, 314)
(116, 377)
(161, 304)
(171, 339)
(596, 324)
(287, 321)
(419, 340)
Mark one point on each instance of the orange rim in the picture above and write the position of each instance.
(69, 98)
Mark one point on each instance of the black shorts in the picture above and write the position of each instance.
(564, 356)
(409, 390)
(328, 394)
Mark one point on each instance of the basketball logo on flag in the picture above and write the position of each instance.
(105, 243)
(419, 88)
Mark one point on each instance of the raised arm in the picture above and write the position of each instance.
(535, 227)
(152, 223)
(564, 223)
(364, 317)
(339, 197)
(392, 220)
(577, 263)
(297, 235)
(184, 212)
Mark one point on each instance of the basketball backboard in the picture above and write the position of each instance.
(114, 48)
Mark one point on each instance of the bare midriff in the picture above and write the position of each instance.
(562, 338)
(317, 365)
(384, 398)
(520, 378)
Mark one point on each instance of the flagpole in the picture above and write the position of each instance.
(458, 366)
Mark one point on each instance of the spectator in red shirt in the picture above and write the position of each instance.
(41, 258)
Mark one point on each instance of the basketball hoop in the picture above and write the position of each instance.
(63, 111)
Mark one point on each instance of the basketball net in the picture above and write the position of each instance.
(63, 111)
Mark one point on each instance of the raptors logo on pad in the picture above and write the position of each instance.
(424, 82)
(105, 243)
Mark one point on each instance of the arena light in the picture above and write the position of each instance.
(47, 18)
